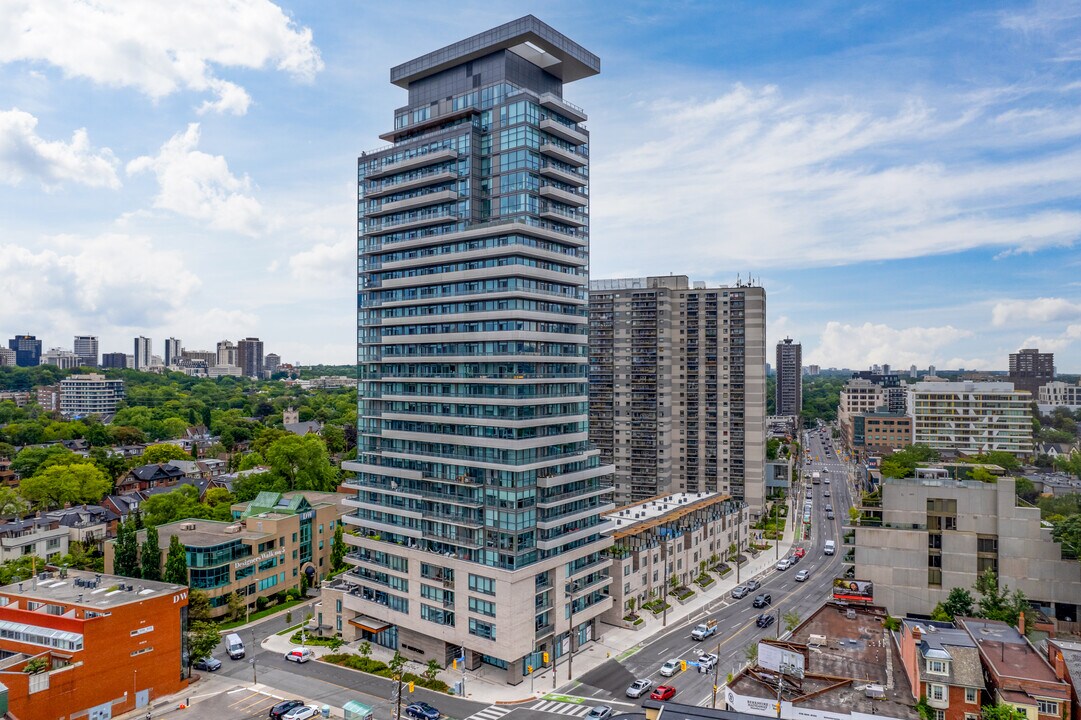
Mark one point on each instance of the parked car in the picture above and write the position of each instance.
(753, 585)
(300, 654)
(663, 692)
(740, 591)
(800, 552)
(422, 711)
(279, 710)
(762, 600)
(803, 575)
(639, 688)
(670, 668)
(784, 564)
(210, 664)
(599, 712)
(303, 712)
(764, 620)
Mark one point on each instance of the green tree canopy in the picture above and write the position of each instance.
(126, 556)
(150, 556)
(163, 453)
(302, 462)
(958, 604)
(59, 484)
(997, 603)
(176, 563)
(203, 637)
(27, 461)
(903, 463)
(169, 507)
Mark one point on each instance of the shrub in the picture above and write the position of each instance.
(261, 603)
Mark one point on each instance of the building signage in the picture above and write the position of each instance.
(768, 708)
(780, 659)
(309, 515)
(853, 590)
(258, 558)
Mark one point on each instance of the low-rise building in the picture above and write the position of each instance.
(86, 524)
(920, 537)
(43, 537)
(63, 359)
(943, 665)
(971, 417)
(669, 536)
(47, 397)
(146, 477)
(877, 433)
(1058, 394)
(1064, 656)
(839, 664)
(110, 645)
(1016, 674)
(91, 394)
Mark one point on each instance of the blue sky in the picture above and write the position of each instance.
(902, 177)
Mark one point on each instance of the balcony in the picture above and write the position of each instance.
(567, 198)
(433, 198)
(423, 180)
(432, 122)
(554, 521)
(408, 223)
(417, 161)
(575, 535)
(551, 212)
(571, 135)
(561, 106)
(564, 176)
(562, 154)
(553, 500)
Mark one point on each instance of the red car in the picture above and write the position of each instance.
(800, 552)
(663, 692)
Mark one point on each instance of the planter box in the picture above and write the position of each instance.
(684, 600)
(635, 625)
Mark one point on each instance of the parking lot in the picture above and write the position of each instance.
(235, 704)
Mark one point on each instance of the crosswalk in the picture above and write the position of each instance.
(562, 708)
(492, 712)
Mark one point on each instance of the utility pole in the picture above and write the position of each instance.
(570, 633)
(716, 672)
(254, 677)
(739, 540)
(398, 697)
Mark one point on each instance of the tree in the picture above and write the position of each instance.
(179, 504)
(1006, 461)
(198, 606)
(151, 556)
(337, 549)
(751, 653)
(396, 664)
(11, 503)
(248, 486)
(998, 603)
(236, 606)
(772, 445)
(59, 484)
(1026, 490)
(334, 437)
(957, 604)
(1068, 533)
(432, 669)
(126, 556)
(203, 637)
(251, 460)
(1001, 711)
(302, 462)
(27, 461)
(903, 463)
(163, 453)
(176, 563)
(982, 474)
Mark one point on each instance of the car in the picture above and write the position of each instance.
(829, 507)
(708, 660)
(670, 668)
(764, 620)
(300, 654)
(753, 585)
(803, 575)
(303, 712)
(740, 591)
(830, 515)
(663, 692)
(422, 711)
(639, 688)
(599, 712)
(800, 552)
(210, 664)
(762, 600)
(827, 481)
(826, 494)
(784, 564)
(283, 707)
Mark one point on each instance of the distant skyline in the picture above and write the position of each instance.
(902, 178)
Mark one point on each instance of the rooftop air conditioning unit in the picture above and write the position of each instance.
(187, 526)
(233, 529)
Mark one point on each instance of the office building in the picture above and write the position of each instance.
(114, 361)
(1030, 368)
(111, 644)
(173, 352)
(271, 542)
(919, 537)
(86, 347)
(90, 395)
(227, 354)
(63, 359)
(249, 353)
(27, 350)
(478, 495)
(7, 357)
(143, 353)
(971, 417)
(789, 390)
(271, 363)
(1059, 394)
(677, 386)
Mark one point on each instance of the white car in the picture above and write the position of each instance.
(784, 563)
(708, 660)
(670, 668)
(302, 712)
(300, 654)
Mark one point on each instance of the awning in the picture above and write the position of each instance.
(370, 624)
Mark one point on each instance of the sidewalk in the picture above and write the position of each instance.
(488, 685)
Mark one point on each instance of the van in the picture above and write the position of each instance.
(830, 547)
(234, 646)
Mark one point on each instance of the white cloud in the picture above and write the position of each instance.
(24, 153)
(1058, 343)
(859, 346)
(333, 263)
(159, 47)
(1038, 310)
(200, 186)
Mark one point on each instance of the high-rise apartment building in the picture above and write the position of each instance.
(86, 347)
(479, 499)
(7, 357)
(114, 361)
(173, 352)
(27, 350)
(1030, 368)
(63, 359)
(789, 390)
(249, 355)
(971, 417)
(143, 353)
(677, 386)
(271, 363)
(226, 354)
(90, 395)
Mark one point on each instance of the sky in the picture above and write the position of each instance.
(902, 178)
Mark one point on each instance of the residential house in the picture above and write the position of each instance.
(39, 536)
(943, 665)
(7, 475)
(1065, 658)
(87, 524)
(146, 477)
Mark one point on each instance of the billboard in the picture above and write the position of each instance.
(778, 659)
(853, 590)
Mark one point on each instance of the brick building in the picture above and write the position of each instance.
(943, 664)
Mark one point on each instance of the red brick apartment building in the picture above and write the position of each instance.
(109, 644)
(943, 665)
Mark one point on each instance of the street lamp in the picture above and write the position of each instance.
(571, 589)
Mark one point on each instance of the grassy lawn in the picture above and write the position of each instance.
(259, 615)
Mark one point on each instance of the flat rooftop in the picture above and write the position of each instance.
(527, 36)
(1007, 652)
(858, 653)
(205, 533)
(646, 514)
(87, 589)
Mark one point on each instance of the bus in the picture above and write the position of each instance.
(816, 477)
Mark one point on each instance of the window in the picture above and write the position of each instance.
(481, 584)
(1047, 707)
(939, 667)
(481, 629)
(484, 607)
(971, 696)
(972, 716)
(937, 692)
(940, 715)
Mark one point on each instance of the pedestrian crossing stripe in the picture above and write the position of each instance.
(562, 708)
(493, 712)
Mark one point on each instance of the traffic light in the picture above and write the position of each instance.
(683, 665)
(454, 664)
(530, 667)
(714, 688)
(411, 686)
(544, 657)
